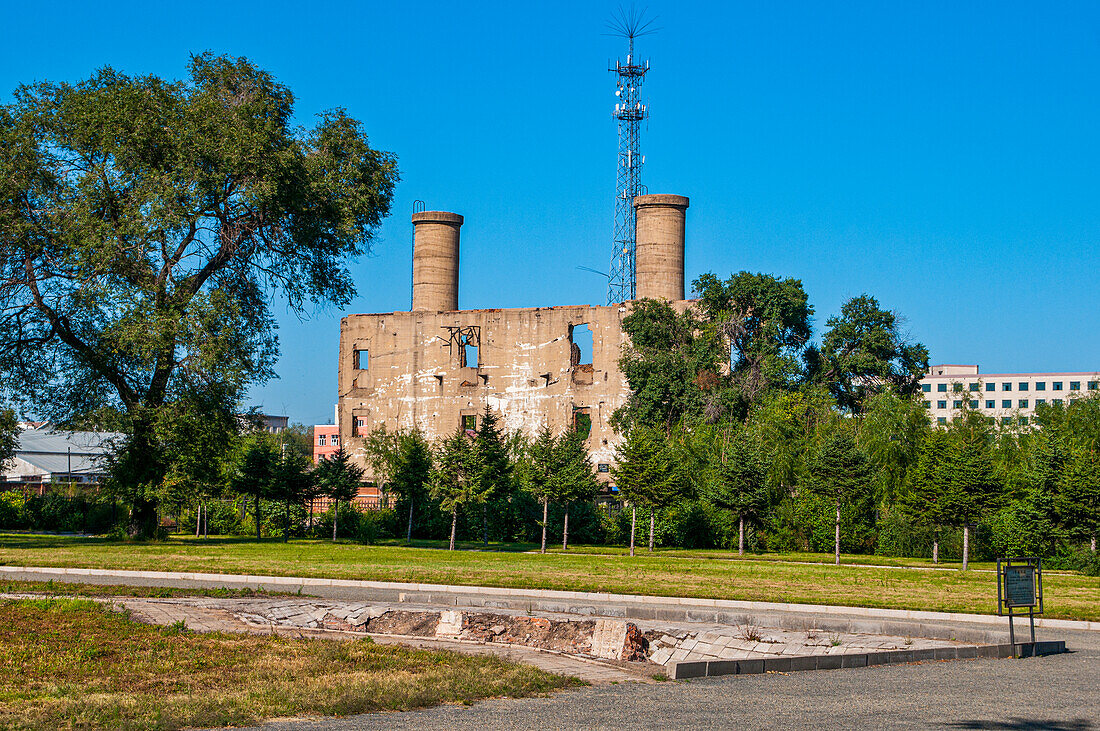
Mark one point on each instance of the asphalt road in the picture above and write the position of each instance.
(1059, 692)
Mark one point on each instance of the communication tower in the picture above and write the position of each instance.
(629, 111)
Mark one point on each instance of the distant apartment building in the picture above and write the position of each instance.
(1010, 398)
(326, 441)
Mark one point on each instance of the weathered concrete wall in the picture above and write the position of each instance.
(415, 374)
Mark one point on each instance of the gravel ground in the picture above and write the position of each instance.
(1057, 692)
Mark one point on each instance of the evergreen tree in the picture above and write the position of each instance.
(293, 484)
(735, 478)
(537, 473)
(492, 479)
(646, 473)
(411, 471)
(574, 479)
(340, 478)
(453, 479)
(840, 471)
(924, 499)
(255, 470)
(1079, 494)
(972, 485)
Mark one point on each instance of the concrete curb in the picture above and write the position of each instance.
(964, 627)
(713, 668)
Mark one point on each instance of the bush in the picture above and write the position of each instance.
(898, 536)
(1083, 560)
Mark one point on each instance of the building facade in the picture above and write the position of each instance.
(437, 368)
(1009, 398)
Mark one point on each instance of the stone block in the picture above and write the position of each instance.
(750, 667)
(684, 670)
(854, 660)
(777, 664)
(721, 667)
(966, 653)
(830, 662)
(804, 662)
(945, 653)
(450, 624)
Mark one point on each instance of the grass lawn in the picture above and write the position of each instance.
(73, 663)
(60, 588)
(669, 573)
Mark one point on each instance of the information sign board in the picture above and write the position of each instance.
(1019, 586)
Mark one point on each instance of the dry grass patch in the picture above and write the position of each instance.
(72, 663)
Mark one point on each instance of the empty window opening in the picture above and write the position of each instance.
(580, 350)
(362, 359)
(469, 354)
(469, 423)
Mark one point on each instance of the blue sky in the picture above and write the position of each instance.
(942, 156)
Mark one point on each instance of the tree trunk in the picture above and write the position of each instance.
(257, 516)
(286, 522)
(741, 536)
(652, 527)
(633, 520)
(143, 518)
(198, 519)
(335, 511)
(454, 522)
(1092, 543)
(837, 544)
(565, 530)
(485, 524)
(205, 520)
(966, 547)
(409, 534)
(311, 517)
(545, 511)
(935, 550)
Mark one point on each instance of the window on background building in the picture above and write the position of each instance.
(1094, 385)
(927, 404)
(956, 387)
(335, 441)
(469, 422)
(957, 404)
(1041, 386)
(926, 387)
(991, 387)
(1074, 385)
(1056, 401)
(1023, 421)
(941, 404)
(1006, 419)
(362, 359)
(990, 404)
(1022, 403)
(1006, 386)
(975, 386)
(941, 420)
(1021, 386)
(1056, 386)
(321, 441)
(974, 404)
(1006, 404)
(941, 387)
(1040, 401)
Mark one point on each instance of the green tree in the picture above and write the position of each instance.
(145, 227)
(864, 351)
(891, 434)
(840, 471)
(574, 479)
(492, 477)
(411, 472)
(766, 323)
(536, 471)
(928, 481)
(973, 488)
(646, 473)
(256, 466)
(453, 480)
(293, 483)
(736, 476)
(9, 435)
(382, 448)
(671, 368)
(1079, 494)
(340, 480)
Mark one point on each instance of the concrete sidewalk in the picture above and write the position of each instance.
(975, 628)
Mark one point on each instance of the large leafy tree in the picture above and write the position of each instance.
(144, 226)
(865, 351)
(894, 428)
(767, 323)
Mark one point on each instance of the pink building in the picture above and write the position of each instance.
(326, 441)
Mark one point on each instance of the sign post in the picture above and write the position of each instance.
(1019, 586)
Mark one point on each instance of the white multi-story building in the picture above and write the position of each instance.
(1010, 398)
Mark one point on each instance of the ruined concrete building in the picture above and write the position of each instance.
(436, 368)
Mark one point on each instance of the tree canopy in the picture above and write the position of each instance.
(145, 224)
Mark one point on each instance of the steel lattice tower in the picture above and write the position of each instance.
(630, 112)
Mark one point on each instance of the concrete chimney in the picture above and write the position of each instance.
(435, 261)
(659, 265)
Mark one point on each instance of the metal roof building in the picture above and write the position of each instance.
(45, 456)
